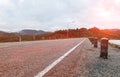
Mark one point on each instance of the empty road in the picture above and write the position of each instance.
(27, 59)
(57, 58)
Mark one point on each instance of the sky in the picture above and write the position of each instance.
(52, 15)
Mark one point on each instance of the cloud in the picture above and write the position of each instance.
(58, 14)
(5, 3)
(105, 14)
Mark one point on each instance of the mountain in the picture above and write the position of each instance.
(32, 32)
(2, 33)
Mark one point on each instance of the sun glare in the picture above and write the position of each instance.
(117, 2)
(105, 14)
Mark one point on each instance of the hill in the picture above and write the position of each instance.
(32, 32)
(24, 35)
(83, 32)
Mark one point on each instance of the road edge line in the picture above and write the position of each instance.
(49, 67)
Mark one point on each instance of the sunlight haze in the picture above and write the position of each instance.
(51, 15)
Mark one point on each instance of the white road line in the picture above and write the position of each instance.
(48, 68)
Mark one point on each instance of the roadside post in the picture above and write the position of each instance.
(91, 40)
(104, 48)
(95, 42)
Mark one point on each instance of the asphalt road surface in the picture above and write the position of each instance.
(28, 59)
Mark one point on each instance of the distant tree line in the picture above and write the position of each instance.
(62, 34)
(83, 32)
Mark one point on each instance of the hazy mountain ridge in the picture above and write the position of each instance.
(25, 32)
(32, 32)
